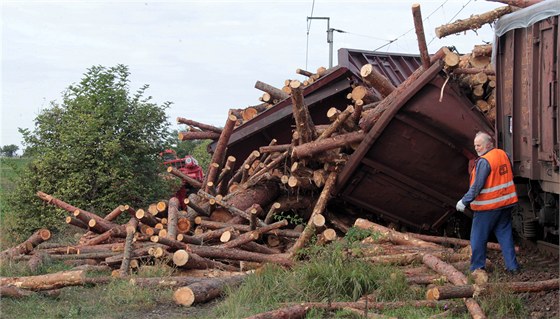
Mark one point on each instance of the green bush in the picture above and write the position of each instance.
(95, 150)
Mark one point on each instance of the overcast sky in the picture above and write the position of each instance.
(204, 56)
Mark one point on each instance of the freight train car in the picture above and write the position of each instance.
(526, 54)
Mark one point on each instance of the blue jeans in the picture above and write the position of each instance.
(499, 222)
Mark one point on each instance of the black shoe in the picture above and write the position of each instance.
(514, 271)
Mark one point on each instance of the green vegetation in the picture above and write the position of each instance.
(96, 150)
(9, 150)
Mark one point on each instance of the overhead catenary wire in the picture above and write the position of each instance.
(307, 41)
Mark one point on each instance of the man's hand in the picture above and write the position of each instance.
(460, 206)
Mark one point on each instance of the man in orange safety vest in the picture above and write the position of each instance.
(492, 198)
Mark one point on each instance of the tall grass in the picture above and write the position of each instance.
(328, 274)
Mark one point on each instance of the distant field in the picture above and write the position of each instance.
(8, 171)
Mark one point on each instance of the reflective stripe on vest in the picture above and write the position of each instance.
(499, 189)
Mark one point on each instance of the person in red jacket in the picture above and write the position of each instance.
(492, 198)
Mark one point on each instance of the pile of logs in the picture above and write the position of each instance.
(261, 209)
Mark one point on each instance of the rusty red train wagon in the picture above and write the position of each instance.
(526, 54)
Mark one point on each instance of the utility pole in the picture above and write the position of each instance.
(329, 36)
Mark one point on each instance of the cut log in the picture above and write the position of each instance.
(474, 22)
(314, 147)
(253, 235)
(287, 312)
(203, 127)
(454, 241)
(376, 80)
(114, 213)
(219, 152)
(27, 246)
(190, 260)
(204, 135)
(467, 291)
(455, 277)
(303, 122)
(419, 28)
(317, 210)
(204, 291)
(234, 210)
(289, 233)
(173, 216)
(189, 180)
(483, 49)
(275, 93)
(392, 235)
(127, 254)
(46, 282)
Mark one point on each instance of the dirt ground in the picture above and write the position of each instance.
(535, 267)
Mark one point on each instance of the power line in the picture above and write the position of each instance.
(307, 41)
(456, 14)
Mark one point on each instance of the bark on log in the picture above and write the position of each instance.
(204, 291)
(419, 28)
(376, 80)
(467, 291)
(46, 282)
(314, 147)
(219, 152)
(190, 260)
(454, 241)
(275, 93)
(318, 209)
(27, 246)
(253, 235)
(234, 210)
(189, 180)
(288, 312)
(164, 282)
(232, 253)
(202, 126)
(115, 213)
(392, 235)
(173, 216)
(204, 135)
(474, 22)
(303, 123)
(473, 71)
(289, 233)
(127, 254)
(455, 277)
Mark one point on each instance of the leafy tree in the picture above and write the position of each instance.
(9, 150)
(96, 150)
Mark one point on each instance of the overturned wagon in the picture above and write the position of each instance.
(412, 165)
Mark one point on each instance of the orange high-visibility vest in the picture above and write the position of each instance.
(499, 190)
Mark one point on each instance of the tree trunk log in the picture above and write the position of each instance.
(189, 180)
(314, 147)
(474, 22)
(172, 217)
(204, 291)
(288, 312)
(376, 80)
(219, 152)
(204, 127)
(304, 124)
(453, 241)
(289, 233)
(392, 235)
(455, 277)
(46, 282)
(419, 28)
(204, 135)
(253, 235)
(190, 260)
(27, 246)
(274, 92)
(467, 291)
(232, 253)
(318, 209)
(130, 231)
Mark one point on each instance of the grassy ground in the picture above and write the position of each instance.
(325, 274)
